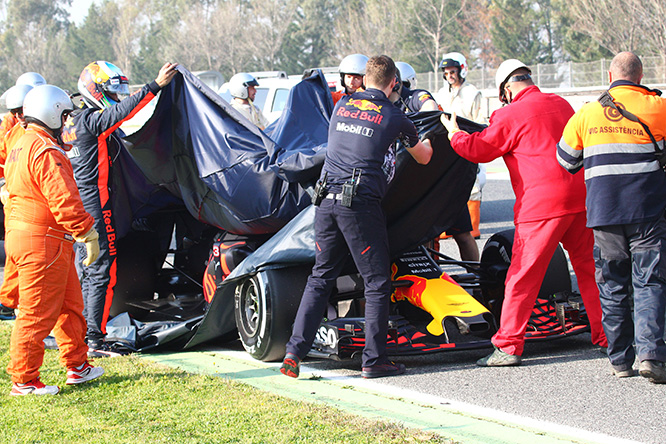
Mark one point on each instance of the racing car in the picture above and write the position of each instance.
(438, 303)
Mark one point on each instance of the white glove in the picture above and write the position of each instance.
(4, 194)
(90, 239)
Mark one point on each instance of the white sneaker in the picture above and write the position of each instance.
(83, 373)
(34, 387)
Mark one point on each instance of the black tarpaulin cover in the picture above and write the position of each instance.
(232, 175)
(226, 171)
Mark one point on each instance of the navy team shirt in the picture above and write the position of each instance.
(411, 100)
(363, 127)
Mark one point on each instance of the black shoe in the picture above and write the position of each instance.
(95, 342)
(382, 370)
(103, 349)
(6, 313)
(291, 365)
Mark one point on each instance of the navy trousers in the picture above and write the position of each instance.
(630, 262)
(98, 280)
(339, 231)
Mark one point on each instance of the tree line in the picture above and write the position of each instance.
(232, 36)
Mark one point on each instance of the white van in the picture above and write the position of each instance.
(272, 94)
(274, 87)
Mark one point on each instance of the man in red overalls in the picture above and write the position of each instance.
(550, 205)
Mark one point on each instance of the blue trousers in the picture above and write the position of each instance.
(98, 280)
(630, 260)
(339, 231)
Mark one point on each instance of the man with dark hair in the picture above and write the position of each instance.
(626, 199)
(361, 136)
(550, 205)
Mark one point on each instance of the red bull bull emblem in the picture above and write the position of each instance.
(367, 111)
(365, 105)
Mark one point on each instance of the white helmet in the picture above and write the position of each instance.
(353, 64)
(15, 96)
(504, 72)
(407, 74)
(31, 78)
(454, 59)
(47, 103)
(239, 83)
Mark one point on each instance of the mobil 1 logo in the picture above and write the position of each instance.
(354, 129)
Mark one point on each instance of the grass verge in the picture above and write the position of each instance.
(142, 402)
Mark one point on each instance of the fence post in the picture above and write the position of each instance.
(571, 76)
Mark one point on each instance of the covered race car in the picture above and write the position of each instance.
(247, 201)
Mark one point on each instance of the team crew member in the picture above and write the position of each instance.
(550, 204)
(28, 78)
(11, 99)
(95, 134)
(352, 74)
(460, 97)
(243, 88)
(46, 210)
(31, 78)
(407, 99)
(363, 128)
(14, 102)
(626, 198)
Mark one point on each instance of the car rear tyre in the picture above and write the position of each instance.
(265, 308)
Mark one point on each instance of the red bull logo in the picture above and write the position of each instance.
(365, 105)
(366, 111)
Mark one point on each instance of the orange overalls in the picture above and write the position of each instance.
(9, 121)
(9, 290)
(45, 213)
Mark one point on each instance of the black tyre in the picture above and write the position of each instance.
(496, 255)
(265, 308)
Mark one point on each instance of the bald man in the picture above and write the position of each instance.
(626, 199)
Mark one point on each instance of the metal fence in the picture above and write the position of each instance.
(558, 75)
